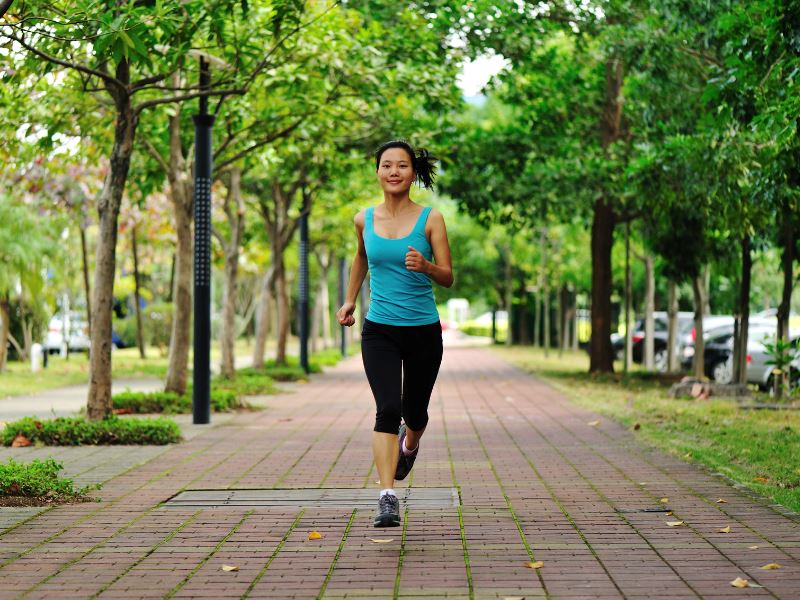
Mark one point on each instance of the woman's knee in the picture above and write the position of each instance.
(387, 419)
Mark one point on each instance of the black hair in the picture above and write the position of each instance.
(423, 162)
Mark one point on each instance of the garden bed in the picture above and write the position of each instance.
(79, 431)
(38, 484)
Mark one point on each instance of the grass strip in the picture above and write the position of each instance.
(467, 564)
(396, 593)
(274, 554)
(338, 553)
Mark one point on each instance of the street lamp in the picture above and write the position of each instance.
(201, 387)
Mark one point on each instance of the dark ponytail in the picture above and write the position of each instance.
(423, 162)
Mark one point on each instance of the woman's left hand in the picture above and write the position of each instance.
(415, 261)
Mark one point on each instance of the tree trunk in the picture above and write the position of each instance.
(263, 319)
(601, 358)
(561, 324)
(234, 210)
(181, 195)
(108, 205)
(522, 328)
(698, 289)
(740, 368)
(137, 296)
(5, 327)
(672, 326)
(85, 264)
(324, 299)
(282, 297)
(787, 264)
(649, 308)
(537, 319)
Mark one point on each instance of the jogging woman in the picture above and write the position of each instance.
(401, 342)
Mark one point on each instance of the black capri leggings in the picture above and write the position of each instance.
(402, 363)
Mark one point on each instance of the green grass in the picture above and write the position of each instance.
(37, 479)
(78, 431)
(757, 448)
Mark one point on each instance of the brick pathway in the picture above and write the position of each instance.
(537, 483)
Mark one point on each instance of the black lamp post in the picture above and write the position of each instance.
(303, 304)
(201, 387)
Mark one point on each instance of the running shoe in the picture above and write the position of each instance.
(404, 462)
(388, 512)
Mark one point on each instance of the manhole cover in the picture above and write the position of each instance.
(311, 498)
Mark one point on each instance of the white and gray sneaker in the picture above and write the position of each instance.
(388, 512)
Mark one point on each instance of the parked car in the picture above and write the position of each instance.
(77, 333)
(719, 355)
(660, 337)
(718, 326)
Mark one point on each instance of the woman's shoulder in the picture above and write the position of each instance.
(360, 217)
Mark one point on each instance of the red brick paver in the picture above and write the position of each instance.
(536, 482)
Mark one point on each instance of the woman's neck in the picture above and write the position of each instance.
(396, 203)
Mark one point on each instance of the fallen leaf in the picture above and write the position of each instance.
(21, 441)
(513, 597)
(315, 535)
(13, 489)
(726, 529)
(122, 411)
(637, 426)
(534, 565)
(770, 567)
(740, 583)
(753, 547)
(761, 479)
(378, 481)
(593, 423)
(721, 501)
(669, 514)
(675, 523)
(664, 500)
(285, 420)
(229, 568)
(381, 540)
(688, 454)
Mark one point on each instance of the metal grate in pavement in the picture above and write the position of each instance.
(348, 498)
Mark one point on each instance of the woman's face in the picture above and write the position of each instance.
(395, 171)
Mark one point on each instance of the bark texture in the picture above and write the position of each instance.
(264, 317)
(649, 308)
(787, 267)
(234, 212)
(136, 295)
(699, 292)
(5, 322)
(108, 205)
(740, 367)
(672, 326)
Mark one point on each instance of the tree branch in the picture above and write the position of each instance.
(155, 154)
(4, 6)
(69, 65)
(702, 55)
(269, 139)
(170, 99)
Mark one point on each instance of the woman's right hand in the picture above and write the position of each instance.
(345, 314)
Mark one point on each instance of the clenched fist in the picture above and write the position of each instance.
(345, 314)
(415, 261)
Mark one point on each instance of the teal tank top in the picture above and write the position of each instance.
(398, 296)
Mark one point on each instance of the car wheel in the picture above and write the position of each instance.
(722, 372)
(660, 360)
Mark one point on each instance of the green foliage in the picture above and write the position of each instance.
(37, 478)
(223, 399)
(76, 431)
(484, 330)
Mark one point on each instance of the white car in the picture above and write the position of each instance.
(77, 329)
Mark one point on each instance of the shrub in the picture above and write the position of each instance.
(222, 400)
(253, 383)
(75, 431)
(37, 478)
